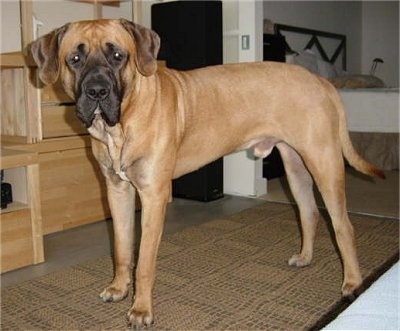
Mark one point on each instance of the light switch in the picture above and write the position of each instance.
(245, 41)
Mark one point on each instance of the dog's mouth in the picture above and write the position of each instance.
(87, 109)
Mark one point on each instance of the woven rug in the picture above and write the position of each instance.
(227, 274)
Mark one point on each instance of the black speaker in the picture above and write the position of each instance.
(6, 192)
(190, 32)
(205, 184)
(191, 37)
(274, 47)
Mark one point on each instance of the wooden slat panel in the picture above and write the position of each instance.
(15, 158)
(72, 190)
(49, 145)
(32, 183)
(16, 240)
(12, 102)
(61, 121)
(32, 107)
(26, 24)
(15, 60)
(54, 94)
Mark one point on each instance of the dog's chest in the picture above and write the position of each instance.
(113, 138)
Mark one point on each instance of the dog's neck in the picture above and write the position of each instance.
(113, 137)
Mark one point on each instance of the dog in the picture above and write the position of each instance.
(149, 125)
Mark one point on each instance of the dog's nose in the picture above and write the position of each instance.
(97, 90)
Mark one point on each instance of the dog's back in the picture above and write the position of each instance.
(255, 105)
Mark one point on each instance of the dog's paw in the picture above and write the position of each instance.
(139, 319)
(299, 260)
(114, 294)
(349, 289)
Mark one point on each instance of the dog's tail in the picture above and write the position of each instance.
(348, 150)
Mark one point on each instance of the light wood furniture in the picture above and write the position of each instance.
(71, 187)
(32, 112)
(21, 222)
(41, 119)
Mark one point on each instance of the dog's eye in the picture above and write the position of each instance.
(75, 59)
(118, 56)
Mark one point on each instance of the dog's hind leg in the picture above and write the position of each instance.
(327, 168)
(301, 186)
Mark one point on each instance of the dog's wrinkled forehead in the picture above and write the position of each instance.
(94, 36)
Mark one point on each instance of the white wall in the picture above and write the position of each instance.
(57, 12)
(243, 174)
(380, 39)
(10, 35)
(342, 17)
(53, 13)
(371, 28)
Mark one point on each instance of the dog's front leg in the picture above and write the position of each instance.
(121, 199)
(154, 202)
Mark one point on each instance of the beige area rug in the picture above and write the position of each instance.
(227, 274)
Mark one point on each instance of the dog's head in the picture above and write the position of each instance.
(97, 62)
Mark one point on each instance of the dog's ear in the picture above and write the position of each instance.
(45, 53)
(147, 47)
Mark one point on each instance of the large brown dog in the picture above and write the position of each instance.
(149, 126)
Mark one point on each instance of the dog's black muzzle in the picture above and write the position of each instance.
(98, 94)
(97, 89)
